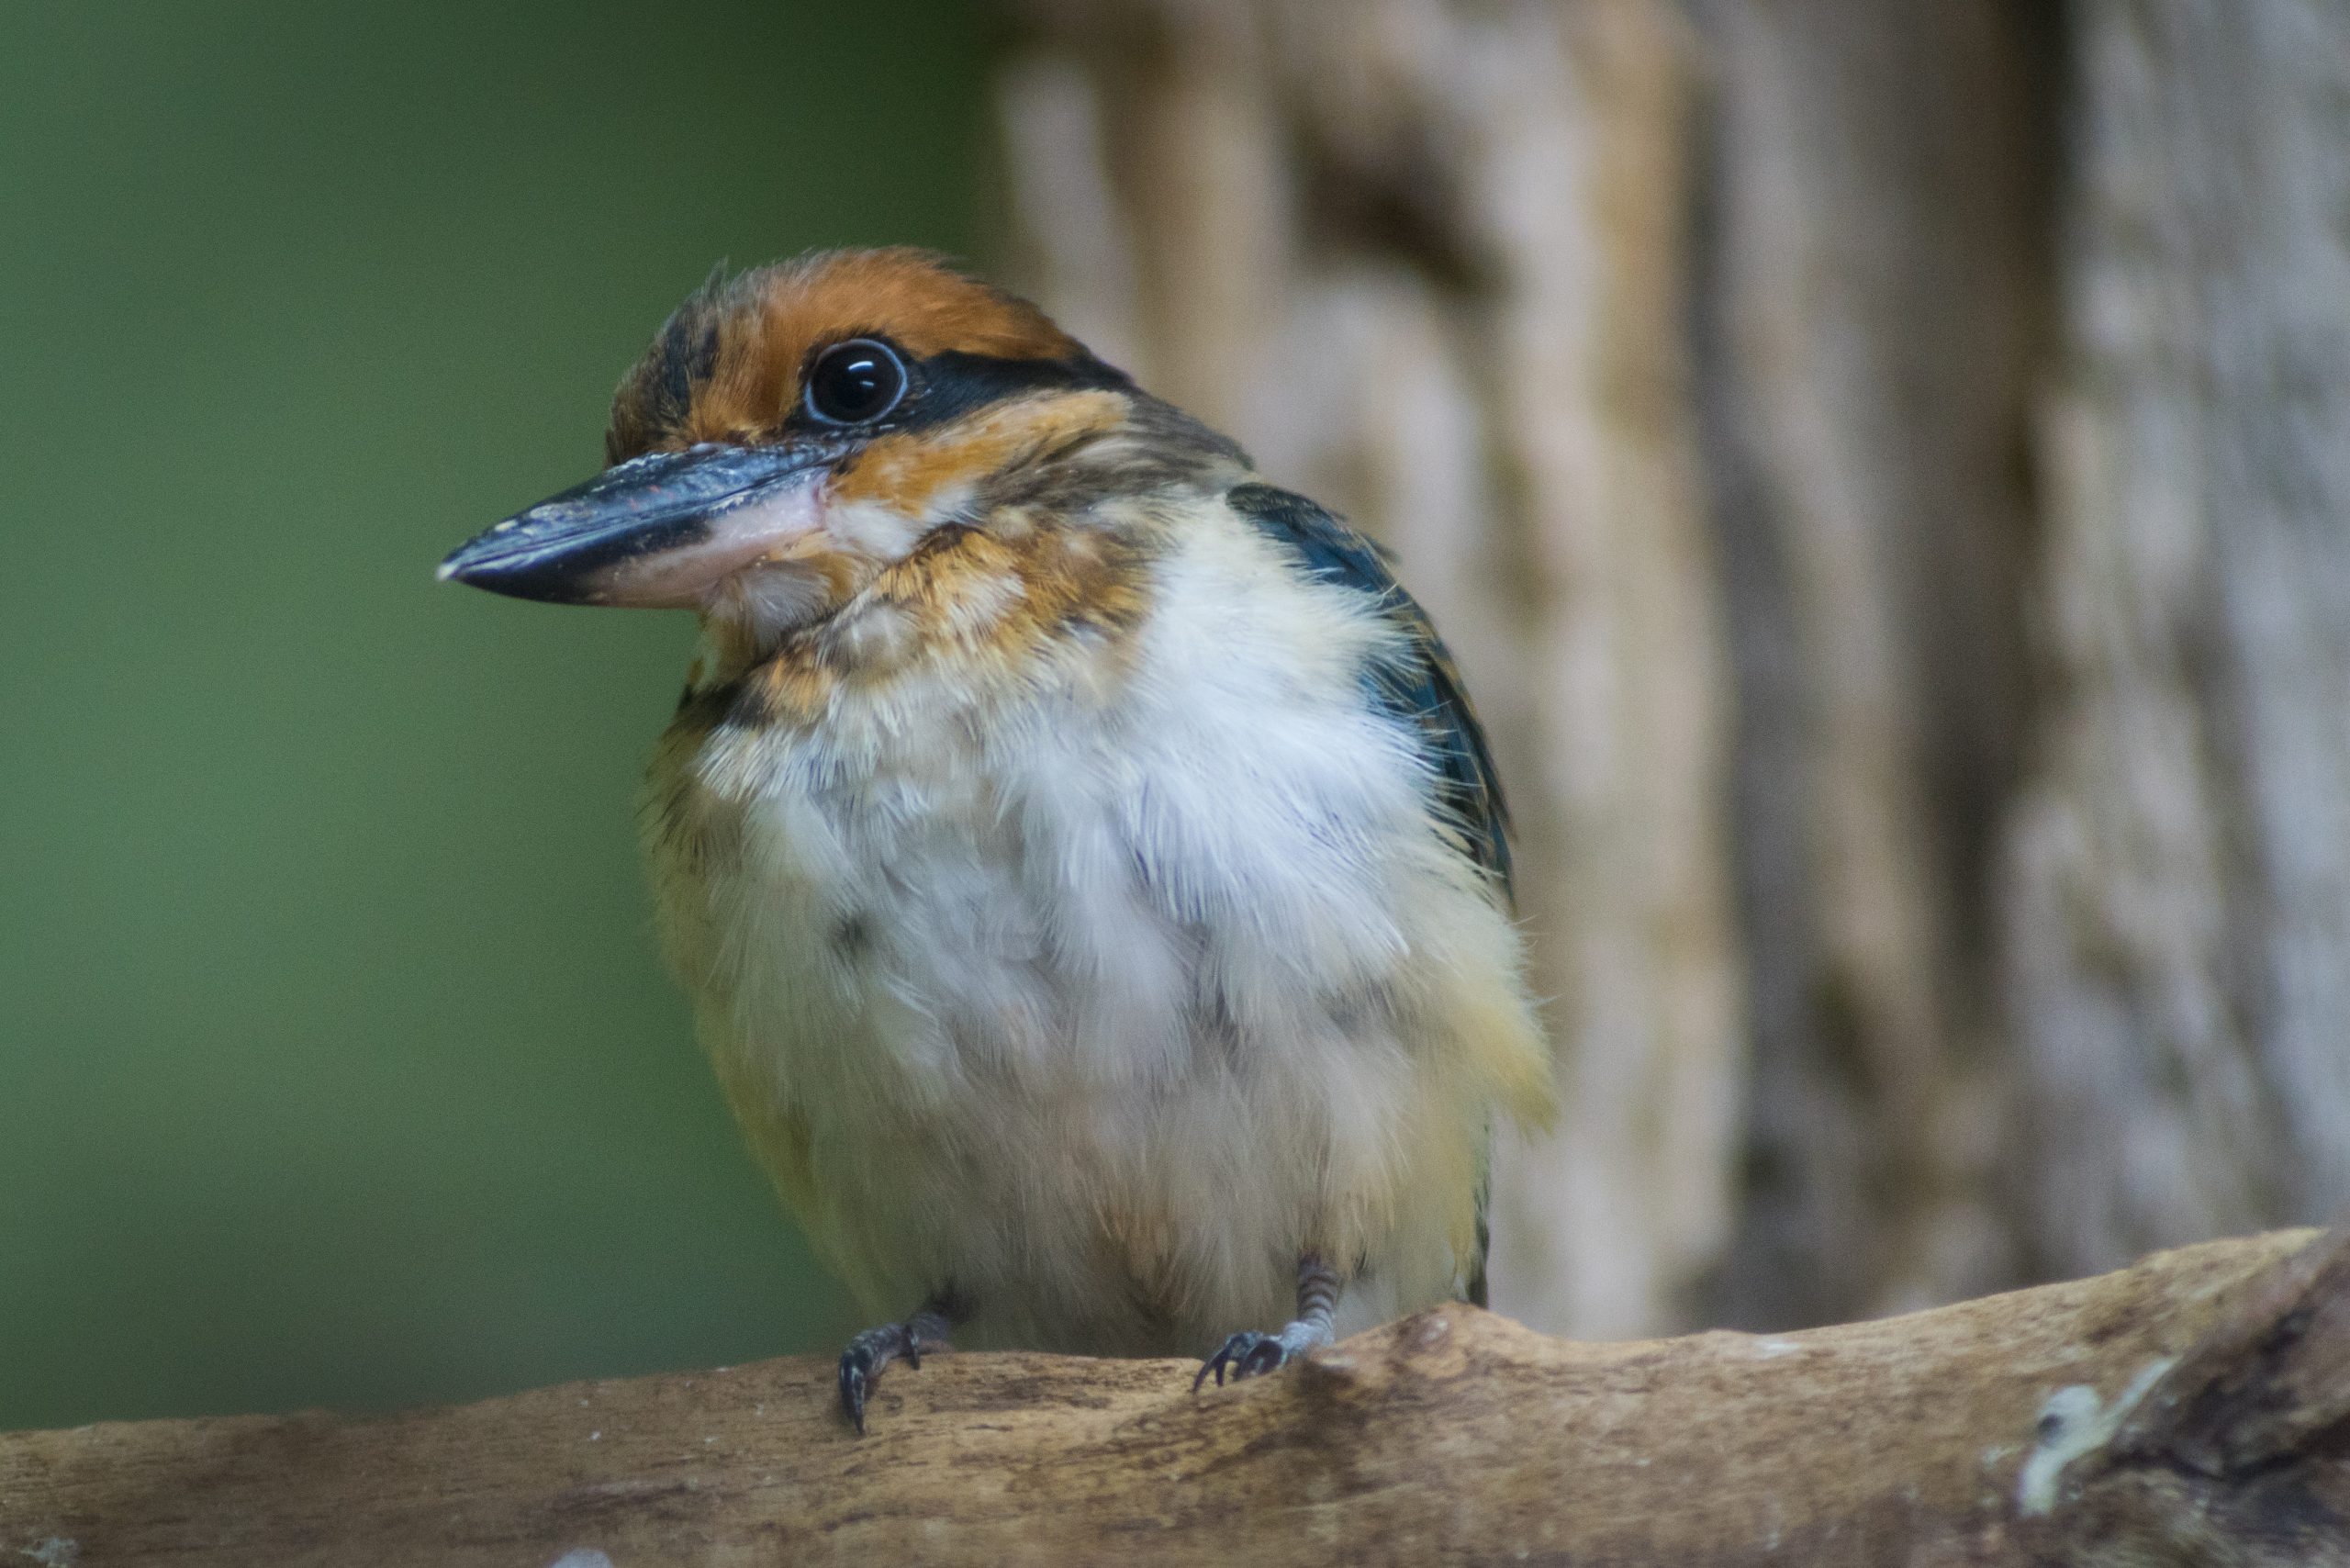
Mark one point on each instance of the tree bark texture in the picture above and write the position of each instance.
(1881, 464)
(2189, 1410)
(1870, 315)
(2178, 883)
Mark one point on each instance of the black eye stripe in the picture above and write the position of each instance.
(953, 383)
(947, 386)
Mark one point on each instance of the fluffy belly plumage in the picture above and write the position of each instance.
(1095, 1007)
(983, 1062)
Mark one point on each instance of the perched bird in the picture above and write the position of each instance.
(1085, 865)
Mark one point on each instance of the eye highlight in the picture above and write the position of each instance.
(855, 383)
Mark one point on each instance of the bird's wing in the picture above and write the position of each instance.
(1423, 686)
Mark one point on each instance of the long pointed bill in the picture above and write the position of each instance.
(657, 532)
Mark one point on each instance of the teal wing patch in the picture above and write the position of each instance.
(1423, 686)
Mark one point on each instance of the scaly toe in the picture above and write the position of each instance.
(857, 1381)
(1268, 1354)
(1245, 1354)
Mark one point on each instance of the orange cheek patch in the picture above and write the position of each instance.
(911, 472)
(1005, 598)
(796, 691)
(960, 594)
(1096, 581)
(983, 606)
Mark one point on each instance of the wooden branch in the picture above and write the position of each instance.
(2194, 1408)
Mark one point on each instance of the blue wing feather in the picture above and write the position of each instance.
(1423, 686)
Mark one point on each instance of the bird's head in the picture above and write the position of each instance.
(796, 431)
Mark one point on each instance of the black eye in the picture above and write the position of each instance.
(854, 382)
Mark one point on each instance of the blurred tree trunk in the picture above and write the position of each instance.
(1871, 308)
(1942, 879)
(2179, 932)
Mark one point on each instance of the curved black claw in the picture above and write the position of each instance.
(867, 1354)
(1246, 1354)
(859, 1368)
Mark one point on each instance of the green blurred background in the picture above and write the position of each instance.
(336, 1065)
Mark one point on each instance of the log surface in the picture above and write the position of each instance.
(2194, 1408)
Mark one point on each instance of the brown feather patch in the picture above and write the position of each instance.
(727, 365)
(986, 605)
(910, 473)
(911, 296)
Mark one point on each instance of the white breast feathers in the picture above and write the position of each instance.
(1098, 996)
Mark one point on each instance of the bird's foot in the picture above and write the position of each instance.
(1251, 1354)
(875, 1348)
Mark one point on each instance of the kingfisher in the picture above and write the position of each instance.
(1089, 875)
